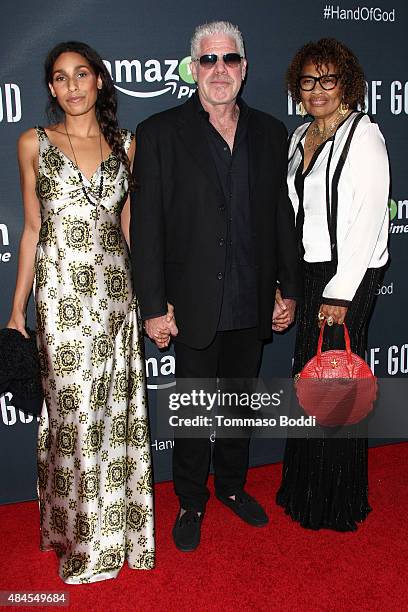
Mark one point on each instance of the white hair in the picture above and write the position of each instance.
(216, 27)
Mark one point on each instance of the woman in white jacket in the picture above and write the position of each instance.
(338, 179)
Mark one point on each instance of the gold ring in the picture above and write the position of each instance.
(320, 316)
(330, 321)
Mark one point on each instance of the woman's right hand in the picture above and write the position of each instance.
(17, 321)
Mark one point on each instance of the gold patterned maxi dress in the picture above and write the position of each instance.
(94, 470)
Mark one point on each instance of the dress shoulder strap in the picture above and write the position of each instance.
(127, 137)
(42, 139)
(41, 133)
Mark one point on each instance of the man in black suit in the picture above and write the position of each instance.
(212, 232)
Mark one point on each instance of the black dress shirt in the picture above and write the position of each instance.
(239, 303)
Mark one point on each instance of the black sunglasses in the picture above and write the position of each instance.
(232, 60)
(326, 81)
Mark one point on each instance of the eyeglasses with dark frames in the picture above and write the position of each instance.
(326, 81)
(231, 60)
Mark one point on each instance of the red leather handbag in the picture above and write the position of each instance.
(337, 386)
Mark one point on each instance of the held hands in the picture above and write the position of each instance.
(332, 314)
(160, 329)
(283, 312)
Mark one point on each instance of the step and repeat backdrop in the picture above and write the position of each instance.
(145, 45)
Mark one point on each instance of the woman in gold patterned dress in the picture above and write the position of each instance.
(94, 465)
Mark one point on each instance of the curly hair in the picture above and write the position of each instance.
(106, 102)
(330, 51)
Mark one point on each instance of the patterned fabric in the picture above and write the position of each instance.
(94, 465)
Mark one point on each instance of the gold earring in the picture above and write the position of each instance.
(343, 108)
(302, 110)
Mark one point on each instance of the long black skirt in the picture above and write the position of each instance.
(325, 480)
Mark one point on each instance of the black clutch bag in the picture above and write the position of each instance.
(20, 370)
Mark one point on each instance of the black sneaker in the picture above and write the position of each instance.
(187, 530)
(247, 508)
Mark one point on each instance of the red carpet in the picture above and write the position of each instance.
(281, 567)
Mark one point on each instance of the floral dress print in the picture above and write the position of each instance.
(94, 464)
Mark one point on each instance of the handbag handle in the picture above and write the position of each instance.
(346, 340)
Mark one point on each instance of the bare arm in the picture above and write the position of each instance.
(125, 220)
(27, 160)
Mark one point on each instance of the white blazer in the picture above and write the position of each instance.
(362, 193)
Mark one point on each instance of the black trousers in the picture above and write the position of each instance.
(232, 354)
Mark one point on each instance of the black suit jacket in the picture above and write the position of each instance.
(179, 225)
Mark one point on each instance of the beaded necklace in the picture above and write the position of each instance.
(81, 178)
(316, 137)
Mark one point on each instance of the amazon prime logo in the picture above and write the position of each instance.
(160, 372)
(5, 242)
(152, 78)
